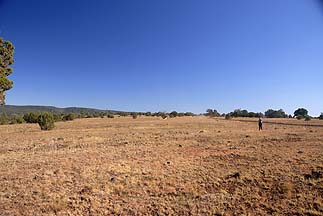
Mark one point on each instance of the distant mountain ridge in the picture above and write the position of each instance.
(20, 110)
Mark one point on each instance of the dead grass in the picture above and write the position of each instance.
(180, 166)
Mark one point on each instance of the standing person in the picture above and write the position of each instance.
(260, 123)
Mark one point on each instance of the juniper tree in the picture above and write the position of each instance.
(6, 59)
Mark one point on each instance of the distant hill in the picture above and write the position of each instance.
(19, 110)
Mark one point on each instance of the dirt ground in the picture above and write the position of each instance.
(150, 166)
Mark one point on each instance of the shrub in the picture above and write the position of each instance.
(69, 117)
(110, 116)
(308, 118)
(96, 114)
(17, 119)
(163, 115)
(173, 114)
(46, 121)
(123, 114)
(321, 116)
(88, 115)
(31, 117)
(134, 115)
(228, 116)
(57, 117)
(4, 119)
(148, 114)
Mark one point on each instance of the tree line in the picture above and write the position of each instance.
(46, 120)
(300, 113)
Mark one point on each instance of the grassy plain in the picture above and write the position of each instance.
(150, 166)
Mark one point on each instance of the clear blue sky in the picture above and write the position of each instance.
(149, 55)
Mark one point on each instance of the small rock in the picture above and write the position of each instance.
(180, 146)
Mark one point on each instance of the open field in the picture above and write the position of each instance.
(180, 166)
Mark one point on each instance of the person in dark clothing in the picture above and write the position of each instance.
(260, 123)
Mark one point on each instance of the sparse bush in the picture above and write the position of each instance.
(102, 114)
(17, 119)
(31, 117)
(4, 119)
(228, 117)
(163, 115)
(69, 117)
(96, 115)
(308, 118)
(148, 114)
(88, 115)
(46, 121)
(134, 115)
(173, 114)
(57, 117)
(110, 116)
(123, 114)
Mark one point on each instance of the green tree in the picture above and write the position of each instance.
(212, 113)
(302, 112)
(275, 114)
(6, 60)
(321, 116)
(173, 114)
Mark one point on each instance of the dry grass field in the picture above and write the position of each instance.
(150, 166)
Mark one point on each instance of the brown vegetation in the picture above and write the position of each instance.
(181, 166)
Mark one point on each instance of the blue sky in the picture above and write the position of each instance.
(149, 55)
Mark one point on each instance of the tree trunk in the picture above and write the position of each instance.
(2, 98)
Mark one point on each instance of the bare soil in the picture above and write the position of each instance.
(150, 166)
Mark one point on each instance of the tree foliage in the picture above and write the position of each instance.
(245, 113)
(173, 114)
(6, 60)
(275, 113)
(212, 113)
(302, 112)
(321, 116)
